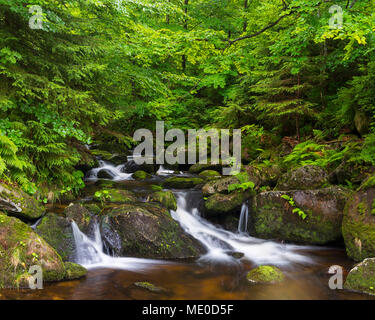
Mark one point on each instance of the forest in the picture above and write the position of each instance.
(79, 77)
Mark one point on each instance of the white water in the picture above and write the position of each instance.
(162, 171)
(89, 253)
(220, 243)
(114, 171)
(244, 217)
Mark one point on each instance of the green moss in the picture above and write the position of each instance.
(141, 175)
(149, 286)
(115, 196)
(74, 271)
(210, 174)
(265, 274)
(225, 203)
(181, 183)
(166, 198)
(362, 277)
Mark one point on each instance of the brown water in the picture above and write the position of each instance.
(193, 281)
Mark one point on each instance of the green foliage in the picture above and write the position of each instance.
(296, 210)
(245, 183)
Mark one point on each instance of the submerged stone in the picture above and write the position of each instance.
(265, 274)
(149, 286)
(74, 271)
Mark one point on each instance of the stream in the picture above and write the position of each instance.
(217, 274)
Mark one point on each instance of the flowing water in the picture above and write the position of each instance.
(219, 274)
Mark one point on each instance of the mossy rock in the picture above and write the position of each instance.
(368, 183)
(198, 167)
(147, 230)
(16, 202)
(358, 226)
(305, 178)
(166, 198)
(21, 248)
(114, 196)
(209, 174)
(58, 233)
(149, 286)
(273, 217)
(80, 215)
(182, 183)
(218, 185)
(265, 274)
(362, 277)
(220, 204)
(93, 208)
(263, 176)
(349, 171)
(74, 271)
(141, 175)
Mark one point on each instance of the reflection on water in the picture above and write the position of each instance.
(192, 281)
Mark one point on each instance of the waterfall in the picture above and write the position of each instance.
(244, 217)
(113, 171)
(90, 254)
(162, 171)
(220, 243)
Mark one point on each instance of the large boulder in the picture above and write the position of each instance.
(17, 203)
(132, 167)
(362, 277)
(80, 215)
(359, 225)
(265, 274)
(280, 215)
(21, 248)
(305, 178)
(146, 230)
(219, 185)
(57, 231)
(222, 204)
(199, 167)
(210, 174)
(166, 198)
(181, 183)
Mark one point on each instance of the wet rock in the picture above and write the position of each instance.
(273, 217)
(150, 287)
(181, 183)
(263, 176)
(198, 168)
(221, 204)
(21, 248)
(114, 196)
(362, 277)
(58, 233)
(362, 122)
(219, 185)
(74, 271)
(17, 203)
(359, 224)
(265, 274)
(210, 174)
(304, 178)
(141, 175)
(131, 167)
(80, 215)
(105, 174)
(237, 255)
(147, 230)
(166, 198)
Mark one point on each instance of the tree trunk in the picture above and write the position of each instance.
(186, 3)
(246, 5)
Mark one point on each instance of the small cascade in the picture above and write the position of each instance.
(221, 243)
(113, 172)
(244, 217)
(162, 171)
(90, 254)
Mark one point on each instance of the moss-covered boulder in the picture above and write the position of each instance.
(166, 198)
(181, 183)
(58, 233)
(218, 186)
(17, 203)
(210, 174)
(114, 196)
(132, 167)
(74, 271)
(221, 204)
(304, 178)
(198, 167)
(304, 216)
(146, 230)
(265, 274)
(263, 176)
(141, 175)
(362, 277)
(21, 248)
(358, 226)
